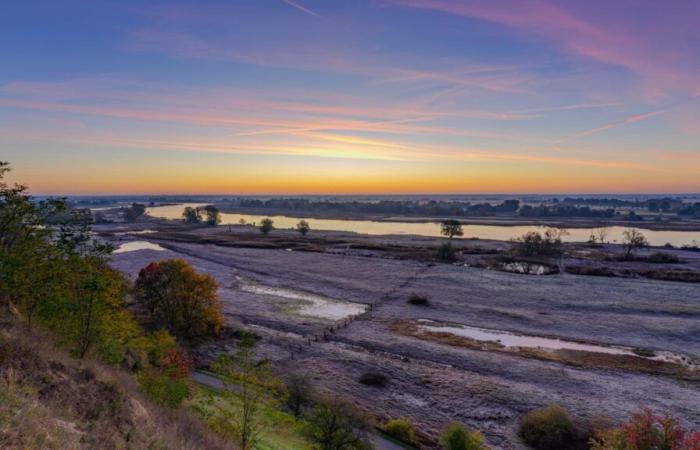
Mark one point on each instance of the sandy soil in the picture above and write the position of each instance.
(433, 383)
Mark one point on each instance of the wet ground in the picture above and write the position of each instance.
(333, 316)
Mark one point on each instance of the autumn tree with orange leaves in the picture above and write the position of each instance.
(179, 299)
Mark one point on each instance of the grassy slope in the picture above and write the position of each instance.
(49, 400)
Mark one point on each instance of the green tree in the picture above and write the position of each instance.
(451, 228)
(266, 225)
(212, 214)
(179, 299)
(303, 227)
(337, 425)
(134, 212)
(298, 393)
(246, 383)
(192, 215)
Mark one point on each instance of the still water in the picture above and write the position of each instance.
(496, 232)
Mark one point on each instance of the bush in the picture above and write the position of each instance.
(167, 381)
(647, 431)
(446, 252)
(401, 429)
(663, 258)
(456, 436)
(418, 299)
(162, 389)
(374, 379)
(547, 244)
(548, 428)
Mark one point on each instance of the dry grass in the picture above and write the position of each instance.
(49, 400)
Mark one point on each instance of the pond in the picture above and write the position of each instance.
(432, 229)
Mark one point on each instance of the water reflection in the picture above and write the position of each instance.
(432, 229)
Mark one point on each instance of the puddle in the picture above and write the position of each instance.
(126, 233)
(512, 342)
(311, 305)
(515, 341)
(527, 268)
(137, 245)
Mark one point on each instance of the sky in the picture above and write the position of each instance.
(351, 96)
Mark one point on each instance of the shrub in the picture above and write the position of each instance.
(167, 382)
(401, 429)
(547, 244)
(374, 379)
(456, 436)
(548, 428)
(418, 299)
(162, 389)
(663, 258)
(446, 252)
(647, 431)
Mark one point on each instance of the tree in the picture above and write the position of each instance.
(213, 216)
(451, 228)
(338, 425)
(303, 227)
(602, 234)
(456, 436)
(56, 272)
(133, 212)
(246, 383)
(97, 297)
(633, 240)
(179, 299)
(191, 215)
(266, 225)
(298, 393)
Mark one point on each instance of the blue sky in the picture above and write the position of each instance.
(395, 96)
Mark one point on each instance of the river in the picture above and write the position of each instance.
(372, 227)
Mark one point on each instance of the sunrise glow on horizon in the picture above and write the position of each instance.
(351, 97)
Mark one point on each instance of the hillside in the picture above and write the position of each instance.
(50, 400)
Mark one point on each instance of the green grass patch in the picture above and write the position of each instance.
(280, 430)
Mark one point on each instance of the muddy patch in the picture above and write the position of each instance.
(305, 303)
(582, 354)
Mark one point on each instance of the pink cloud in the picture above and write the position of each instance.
(640, 50)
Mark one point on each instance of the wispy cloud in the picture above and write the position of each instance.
(615, 124)
(580, 36)
(301, 8)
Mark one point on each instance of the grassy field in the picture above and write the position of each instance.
(279, 429)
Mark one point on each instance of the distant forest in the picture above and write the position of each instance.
(568, 207)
